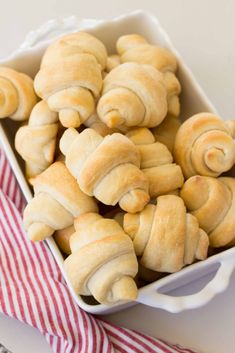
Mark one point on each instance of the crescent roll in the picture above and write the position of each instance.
(204, 145)
(165, 237)
(135, 48)
(57, 201)
(107, 168)
(70, 78)
(36, 142)
(163, 175)
(17, 96)
(133, 95)
(212, 202)
(103, 261)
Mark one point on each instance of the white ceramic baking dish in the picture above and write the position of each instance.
(27, 59)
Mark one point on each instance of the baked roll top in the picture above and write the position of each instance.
(165, 237)
(107, 168)
(36, 142)
(103, 262)
(57, 201)
(133, 95)
(17, 96)
(212, 202)
(70, 77)
(204, 145)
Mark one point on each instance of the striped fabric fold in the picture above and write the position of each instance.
(32, 290)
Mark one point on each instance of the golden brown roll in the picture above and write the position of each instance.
(135, 48)
(212, 202)
(133, 95)
(72, 90)
(57, 201)
(103, 262)
(17, 96)
(36, 142)
(165, 236)
(163, 175)
(204, 145)
(107, 168)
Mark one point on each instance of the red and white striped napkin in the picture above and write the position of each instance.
(33, 290)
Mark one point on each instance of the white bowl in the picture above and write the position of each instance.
(194, 100)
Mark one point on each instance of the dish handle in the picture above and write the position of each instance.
(151, 295)
(56, 27)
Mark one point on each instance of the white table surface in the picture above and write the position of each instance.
(204, 33)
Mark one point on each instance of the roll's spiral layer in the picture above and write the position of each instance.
(57, 201)
(165, 236)
(163, 175)
(103, 262)
(17, 96)
(212, 202)
(70, 77)
(134, 48)
(107, 168)
(204, 146)
(133, 95)
(36, 141)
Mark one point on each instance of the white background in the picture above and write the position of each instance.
(204, 34)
